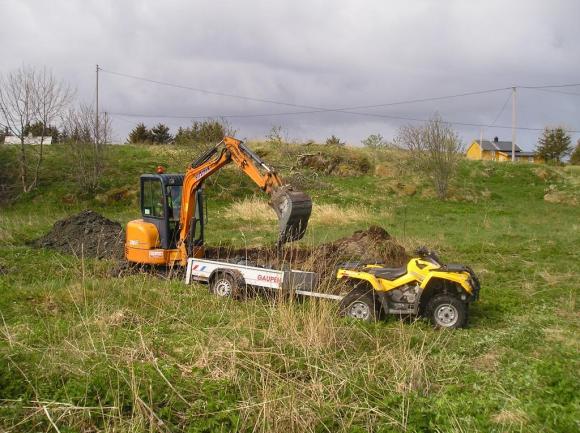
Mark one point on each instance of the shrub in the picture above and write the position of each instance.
(374, 141)
(334, 141)
(434, 150)
(203, 134)
(575, 157)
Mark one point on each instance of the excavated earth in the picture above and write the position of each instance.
(86, 234)
(91, 235)
(374, 245)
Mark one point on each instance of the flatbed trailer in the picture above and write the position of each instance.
(423, 287)
(225, 278)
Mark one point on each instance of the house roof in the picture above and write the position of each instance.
(27, 140)
(526, 154)
(502, 146)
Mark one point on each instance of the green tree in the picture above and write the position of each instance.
(554, 144)
(374, 141)
(160, 134)
(334, 141)
(37, 129)
(140, 134)
(575, 157)
(203, 134)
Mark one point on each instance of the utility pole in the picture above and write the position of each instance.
(97, 111)
(514, 122)
(481, 143)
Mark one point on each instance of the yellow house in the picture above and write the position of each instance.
(499, 151)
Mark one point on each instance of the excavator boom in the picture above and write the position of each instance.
(292, 207)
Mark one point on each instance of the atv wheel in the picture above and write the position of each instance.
(446, 311)
(361, 304)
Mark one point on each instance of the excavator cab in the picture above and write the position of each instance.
(156, 234)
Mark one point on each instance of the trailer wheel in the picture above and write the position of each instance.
(228, 285)
(223, 285)
(445, 311)
(361, 303)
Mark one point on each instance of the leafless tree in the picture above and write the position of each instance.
(29, 95)
(87, 142)
(434, 149)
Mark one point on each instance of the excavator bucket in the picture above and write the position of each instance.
(293, 209)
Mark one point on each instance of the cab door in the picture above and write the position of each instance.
(154, 207)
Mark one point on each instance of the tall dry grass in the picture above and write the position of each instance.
(295, 366)
(258, 211)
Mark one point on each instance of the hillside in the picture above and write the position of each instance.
(83, 351)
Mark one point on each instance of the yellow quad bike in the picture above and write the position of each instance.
(423, 287)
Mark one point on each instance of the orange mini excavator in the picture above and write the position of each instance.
(172, 225)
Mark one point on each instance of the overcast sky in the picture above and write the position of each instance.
(329, 54)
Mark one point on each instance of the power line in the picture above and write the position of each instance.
(290, 104)
(550, 86)
(555, 91)
(502, 109)
(314, 109)
(386, 116)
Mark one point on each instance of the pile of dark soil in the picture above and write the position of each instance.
(88, 234)
(374, 245)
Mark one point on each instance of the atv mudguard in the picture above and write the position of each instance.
(459, 278)
(362, 276)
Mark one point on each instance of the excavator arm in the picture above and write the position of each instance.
(292, 207)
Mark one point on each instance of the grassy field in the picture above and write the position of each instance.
(83, 352)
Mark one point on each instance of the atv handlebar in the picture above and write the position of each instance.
(426, 253)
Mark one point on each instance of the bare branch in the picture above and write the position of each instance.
(29, 95)
(435, 150)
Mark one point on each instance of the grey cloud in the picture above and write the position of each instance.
(319, 53)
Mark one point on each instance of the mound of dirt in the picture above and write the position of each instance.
(374, 245)
(92, 235)
(87, 233)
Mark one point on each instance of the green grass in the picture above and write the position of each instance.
(85, 352)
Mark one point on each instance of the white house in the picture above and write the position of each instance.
(11, 139)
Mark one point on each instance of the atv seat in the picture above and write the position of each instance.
(388, 273)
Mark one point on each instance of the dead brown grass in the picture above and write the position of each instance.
(257, 211)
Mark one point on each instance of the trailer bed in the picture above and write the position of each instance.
(292, 281)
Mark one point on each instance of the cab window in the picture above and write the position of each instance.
(174, 198)
(152, 205)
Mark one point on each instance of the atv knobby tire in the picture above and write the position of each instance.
(445, 311)
(361, 303)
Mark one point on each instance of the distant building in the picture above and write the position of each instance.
(11, 139)
(499, 151)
